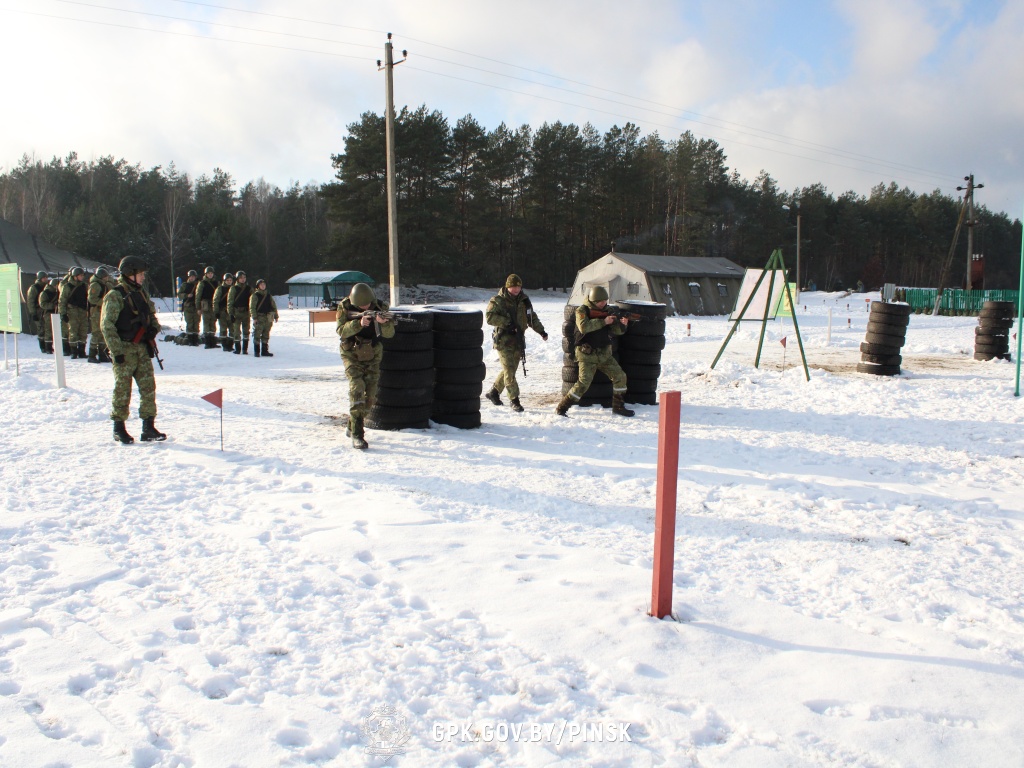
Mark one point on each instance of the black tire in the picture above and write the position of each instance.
(646, 309)
(424, 377)
(384, 426)
(879, 349)
(992, 349)
(391, 414)
(472, 375)
(572, 375)
(996, 314)
(457, 407)
(885, 339)
(641, 386)
(878, 370)
(886, 328)
(882, 359)
(986, 331)
(569, 312)
(458, 391)
(467, 421)
(642, 398)
(405, 398)
(567, 346)
(413, 321)
(639, 357)
(996, 305)
(604, 389)
(648, 343)
(458, 358)
(642, 371)
(569, 329)
(648, 328)
(409, 342)
(901, 310)
(897, 321)
(407, 361)
(992, 322)
(457, 319)
(992, 341)
(991, 356)
(458, 339)
(586, 402)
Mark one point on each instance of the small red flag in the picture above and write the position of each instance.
(783, 342)
(215, 398)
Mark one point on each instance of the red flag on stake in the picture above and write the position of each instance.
(215, 398)
(783, 342)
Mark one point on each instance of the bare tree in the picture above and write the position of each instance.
(172, 219)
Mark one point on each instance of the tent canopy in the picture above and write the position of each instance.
(320, 289)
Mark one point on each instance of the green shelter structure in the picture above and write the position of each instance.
(323, 289)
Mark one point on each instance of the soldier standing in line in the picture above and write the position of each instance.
(511, 313)
(238, 307)
(64, 320)
(362, 352)
(34, 311)
(187, 297)
(49, 296)
(594, 352)
(130, 328)
(205, 290)
(220, 306)
(73, 306)
(99, 284)
(263, 309)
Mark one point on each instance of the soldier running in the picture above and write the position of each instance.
(511, 313)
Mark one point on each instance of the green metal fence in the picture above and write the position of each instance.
(954, 301)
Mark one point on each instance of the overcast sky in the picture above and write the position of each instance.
(849, 93)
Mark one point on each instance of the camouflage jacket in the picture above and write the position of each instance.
(32, 297)
(238, 298)
(48, 297)
(595, 331)
(127, 307)
(187, 293)
(98, 288)
(507, 313)
(262, 303)
(348, 328)
(205, 291)
(220, 298)
(74, 294)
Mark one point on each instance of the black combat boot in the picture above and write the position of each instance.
(81, 351)
(49, 347)
(256, 349)
(227, 343)
(74, 351)
(245, 345)
(121, 434)
(515, 404)
(150, 433)
(193, 339)
(105, 356)
(67, 347)
(42, 347)
(266, 352)
(494, 396)
(238, 347)
(210, 341)
(562, 409)
(94, 355)
(356, 425)
(619, 406)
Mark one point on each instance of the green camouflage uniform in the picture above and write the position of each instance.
(508, 313)
(263, 309)
(187, 297)
(74, 304)
(98, 288)
(220, 307)
(48, 299)
(362, 352)
(34, 312)
(594, 351)
(126, 309)
(238, 306)
(205, 291)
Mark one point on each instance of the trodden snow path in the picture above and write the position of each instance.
(849, 586)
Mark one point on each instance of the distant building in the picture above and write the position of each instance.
(322, 289)
(688, 285)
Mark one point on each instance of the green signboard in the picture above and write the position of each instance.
(10, 298)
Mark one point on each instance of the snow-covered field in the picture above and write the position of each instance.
(849, 585)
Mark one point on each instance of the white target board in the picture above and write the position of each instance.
(756, 310)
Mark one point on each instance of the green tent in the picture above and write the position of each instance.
(323, 289)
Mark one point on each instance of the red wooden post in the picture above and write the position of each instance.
(665, 509)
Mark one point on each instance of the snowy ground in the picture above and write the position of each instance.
(849, 585)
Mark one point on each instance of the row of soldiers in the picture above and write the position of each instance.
(231, 303)
(78, 302)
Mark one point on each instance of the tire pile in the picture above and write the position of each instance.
(405, 393)
(992, 336)
(458, 340)
(883, 342)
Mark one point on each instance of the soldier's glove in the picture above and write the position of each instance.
(119, 359)
(151, 335)
(151, 351)
(64, 319)
(544, 336)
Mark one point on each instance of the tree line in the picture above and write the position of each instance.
(475, 204)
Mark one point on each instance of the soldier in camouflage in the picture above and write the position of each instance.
(220, 306)
(99, 284)
(34, 311)
(49, 296)
(73, 307)
(205, 289)
(187, 297)
(130, 328)
(511, 313)
(263, 309)
(594, 352)
(362, 352)
(238, 307)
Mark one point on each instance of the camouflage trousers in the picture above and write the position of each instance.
(139, 367)
(362, 381)
(37, 322)
(240, 325)
(98, 342)
(510, 359)
(78, 325)
(209, 320)
(48, 327)
(598, 360)
(261, 325)
(224, 319)
(191, 318)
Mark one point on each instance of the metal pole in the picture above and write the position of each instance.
(1020, 310)
(797, 259)
(970, 229)
(389, 67)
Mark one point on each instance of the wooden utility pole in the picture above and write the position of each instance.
(389, 121)
(969, 199)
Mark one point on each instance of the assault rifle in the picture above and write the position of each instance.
(378, 318)
(141, 336)
(616, 312)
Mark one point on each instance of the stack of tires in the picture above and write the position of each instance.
(405, 392)
(640, 351)
(992, 336)
(883, 342)
(600, 392)
(458, 340)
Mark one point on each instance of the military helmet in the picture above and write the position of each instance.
(260, 281)
(598, 293)
(101, 272)
(239, 274)
(42, 276)
(513, 280)
(77, 271)
(361, 295)
(193, 273)
(228, 276)
(131, 265)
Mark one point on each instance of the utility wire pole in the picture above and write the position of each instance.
(389, 121)
(969, 199)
